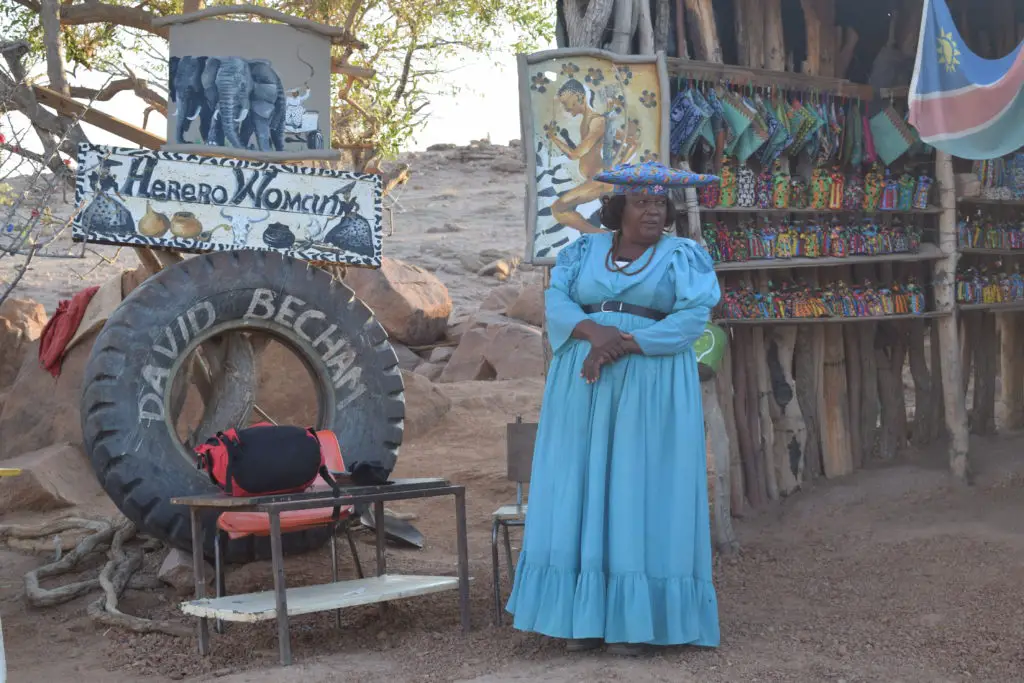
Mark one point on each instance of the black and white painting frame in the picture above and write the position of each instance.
(239, 85)
(194, 203)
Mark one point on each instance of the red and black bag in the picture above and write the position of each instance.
(264, 460)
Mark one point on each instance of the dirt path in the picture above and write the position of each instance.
(888, 575)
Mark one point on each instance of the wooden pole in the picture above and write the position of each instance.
(790, 438)
(774, 39)
(1011, 371)
(703, 30)
(750, 33)
(815, 36)
(807, 359)
(837, 458)
(945, 299)
(986, 364)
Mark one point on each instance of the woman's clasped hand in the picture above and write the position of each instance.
(607, 345)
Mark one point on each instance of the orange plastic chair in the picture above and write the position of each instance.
(232, 525)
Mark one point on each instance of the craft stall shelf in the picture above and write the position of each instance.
(826, 233)
(990, 290)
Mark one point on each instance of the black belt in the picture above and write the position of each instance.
(623, 307)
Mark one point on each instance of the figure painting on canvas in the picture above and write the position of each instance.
(589, 114)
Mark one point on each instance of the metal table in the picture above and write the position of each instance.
(263, 606)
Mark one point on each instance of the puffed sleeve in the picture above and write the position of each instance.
(561, 312)
(697, 292)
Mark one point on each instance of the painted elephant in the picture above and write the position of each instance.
(246, 96)
(187, 93)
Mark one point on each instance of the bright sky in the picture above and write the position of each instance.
(487, 104)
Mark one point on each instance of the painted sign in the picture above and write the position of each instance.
(189, 202)
(584, 111)
(247, 85)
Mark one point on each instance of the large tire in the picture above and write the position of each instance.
(141, 463)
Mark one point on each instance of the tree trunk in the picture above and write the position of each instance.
(750, 33)
(645, 39)
(835, 430)
(622, 31)
(744, 386)
(925, 429)
(662, 25)
(232, 367)
(854, 382)
(945, 277)
(815, 36)
(682, 51)
(986, 353)
(727, 401)
(585, 21)
(790, 438)
(703, 30)
(1011, 372)
(807, 356)
(49, 17)
(718, 442)
(891, 354)
(847, 38)
(774, 39)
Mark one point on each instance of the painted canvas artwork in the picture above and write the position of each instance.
(584, 113)
(245, 85)
(137, 197)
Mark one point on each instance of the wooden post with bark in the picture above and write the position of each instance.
(945, 301)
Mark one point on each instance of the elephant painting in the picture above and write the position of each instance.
(239, 97)
(187, 93)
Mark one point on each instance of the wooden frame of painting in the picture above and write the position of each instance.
(613, 105)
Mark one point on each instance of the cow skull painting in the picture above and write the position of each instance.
(240, 227)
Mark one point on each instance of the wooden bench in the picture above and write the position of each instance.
(284, 602)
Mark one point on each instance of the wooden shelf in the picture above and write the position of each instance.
(835, 320)
(995, 308)
(981, 201)
(981, 251)
(930, 211)
(927, 252)
(252, 607)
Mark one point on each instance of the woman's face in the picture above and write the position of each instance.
(643, 220)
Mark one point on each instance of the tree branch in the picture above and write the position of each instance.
(132, 83)
(101, 13)
(49, 17)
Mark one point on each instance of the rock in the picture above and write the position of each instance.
(425, 405)
(498, 351)
(407, 358)
(431, 371)
(500, 268)
(515, 144)
(442, 147)
(474, 263)
(13, 348)
(42, 410)
(508, 166)
(176, 571)
(441, 354)
(447, 227)
(25, 315)
(468, 363)
(516, 351)
(411, 304)
(479, 319)
(501, 298)
(529, 306)
(57, 476)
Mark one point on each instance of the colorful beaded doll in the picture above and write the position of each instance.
(890, 193)
(798, 193)
(853, 192)
(873, 185)
(907, 188)
(746, 187)
(710, 195)
(784, 243)
(924, 186)
(780, 186)
(764, 189)
(810, 240)
(837, 186)
(728, 183)
(819, 189)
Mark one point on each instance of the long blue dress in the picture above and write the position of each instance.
(617, 542)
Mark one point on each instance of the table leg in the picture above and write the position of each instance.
(277, 559)
(199, 573)
(463, 542)
(382, 562)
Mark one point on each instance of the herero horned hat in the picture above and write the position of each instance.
(651, 178)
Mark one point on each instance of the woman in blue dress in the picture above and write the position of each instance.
(617, 546)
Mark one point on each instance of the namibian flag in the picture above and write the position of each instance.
(961, 103)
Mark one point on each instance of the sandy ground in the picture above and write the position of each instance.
(892, 574)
